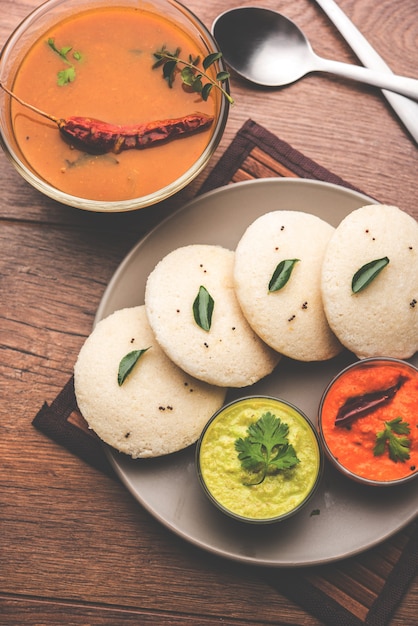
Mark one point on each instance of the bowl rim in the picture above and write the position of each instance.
(264, 520)
(328, 453)
(206, 39)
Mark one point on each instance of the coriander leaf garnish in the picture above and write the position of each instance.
(127, 364)
(398, 447)
(68, 74)
(266, 448)
(367, 273)
(61, 52)
(282, 274)
(203, 308)
(191, 74)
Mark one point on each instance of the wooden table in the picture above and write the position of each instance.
(73, 542)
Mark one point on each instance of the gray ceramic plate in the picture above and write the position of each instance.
(343, 518)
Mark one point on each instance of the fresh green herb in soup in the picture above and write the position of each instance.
(67, 75)
(191, 74)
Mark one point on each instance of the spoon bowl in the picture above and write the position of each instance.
(265, 51)
(269, 49)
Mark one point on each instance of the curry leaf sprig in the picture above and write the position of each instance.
(281, 274)
(191, 74)
(203, 308)
(66, 75)
(367, 273)
(398, 446)
(266, 448)
(128, 363)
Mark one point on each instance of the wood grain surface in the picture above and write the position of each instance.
(75, 548)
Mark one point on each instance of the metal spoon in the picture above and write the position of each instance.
(268, 49)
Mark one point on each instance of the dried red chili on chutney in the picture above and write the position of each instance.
(365, 404)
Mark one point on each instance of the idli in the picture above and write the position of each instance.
(380, 243)
(277, 276)
(194, 313)
(157, 409)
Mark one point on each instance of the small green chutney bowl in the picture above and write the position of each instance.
(259, 459)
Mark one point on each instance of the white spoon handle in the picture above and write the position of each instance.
(406, 110)
(399, 84)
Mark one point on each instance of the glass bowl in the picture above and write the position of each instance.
(35, 27)
(257, 495)
(368, 421)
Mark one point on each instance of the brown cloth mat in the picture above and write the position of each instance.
(364, 589)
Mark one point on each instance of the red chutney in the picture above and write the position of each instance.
(352, 442)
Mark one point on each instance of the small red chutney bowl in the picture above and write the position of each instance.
(368, 421)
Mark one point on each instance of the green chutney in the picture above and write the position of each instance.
(281, 493)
